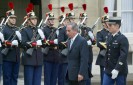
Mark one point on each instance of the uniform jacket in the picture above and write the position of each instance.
(116, 56)
(14, 52)
(1, 57)
(62, 37)
(84, 33)
(101, 37)
(53, 54)
(37, 55)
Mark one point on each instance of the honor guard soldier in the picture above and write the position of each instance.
(11, 50)
(62, 40)
(51, 53)
(101, 37)
(70, 17)
(116, 68)
(1, 42)
(32, 57)
(87, 33)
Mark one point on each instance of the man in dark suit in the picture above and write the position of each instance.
(77, 72)
(116, 68)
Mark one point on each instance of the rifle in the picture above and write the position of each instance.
(2, 24)
(6, 50)
(95, 23)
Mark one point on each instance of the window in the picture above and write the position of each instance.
(124, 9)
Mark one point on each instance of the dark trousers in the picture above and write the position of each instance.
(0, 71)
(101, 74)
(77, 83)
(32, 75)
(50, 73)
(120, 80)
(88, 81)
(62, 73)
(10, 73)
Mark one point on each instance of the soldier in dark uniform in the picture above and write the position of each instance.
(116, 68)
(87, 33)
(101, 37)
(1, 41)
(52, 56)
(62, 40)
(11, 60)
(32, 57)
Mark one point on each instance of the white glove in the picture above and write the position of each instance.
(41, 34)
(18, 35)
(55, 41)
(39, 42)
(1, 37)
(15, 42)
(114, 73)
(91, 35)
(89, 42)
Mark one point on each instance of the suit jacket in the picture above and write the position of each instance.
(78, 59)
(116, 56)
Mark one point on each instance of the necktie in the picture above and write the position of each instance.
(71, 43)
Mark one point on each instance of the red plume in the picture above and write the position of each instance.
(28, 9)
(106, 10)
(70, 6)
(63, 9)
(11, 5)
(84, 7)
(30, 6)
(50, 7)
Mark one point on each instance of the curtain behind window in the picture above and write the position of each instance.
(110, 4)
(127, 16)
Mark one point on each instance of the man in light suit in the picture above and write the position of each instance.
(77, 71)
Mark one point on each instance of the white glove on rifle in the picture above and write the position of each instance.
(41, 34)
(39, 42)
(55, 41)
(18, 35)
(91, 35)
(114, 73)
(1, 37)
(15, 42)
(89, 42)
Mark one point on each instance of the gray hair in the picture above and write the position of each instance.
(74, 26)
